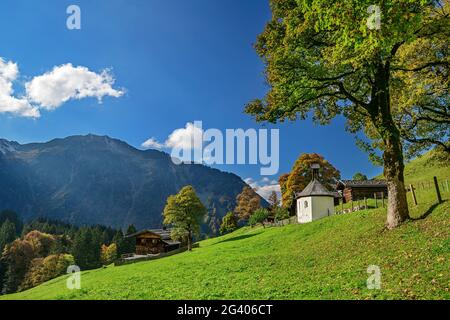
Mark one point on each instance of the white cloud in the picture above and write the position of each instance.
(264, 187)
(52, 89)
(9, 72)
(252, 183)
(152, 143)
(66, 82)
(266, 191)
(182, 138)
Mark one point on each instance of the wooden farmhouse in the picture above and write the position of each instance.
(154, 241)
(353, 190)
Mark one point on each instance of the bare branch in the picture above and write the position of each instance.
(335, 77)
(427, 65)
(349, 96)
(427, 140)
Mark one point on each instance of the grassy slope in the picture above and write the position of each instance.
(324, 259)
(424, 168)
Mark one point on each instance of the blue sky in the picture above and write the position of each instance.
(176, 61)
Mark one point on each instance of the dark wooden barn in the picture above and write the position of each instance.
(360, 189)
(154, 241)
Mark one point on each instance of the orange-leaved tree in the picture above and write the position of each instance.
(301, 175)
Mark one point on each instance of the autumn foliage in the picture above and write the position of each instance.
(108, 254)
(247, 202)
(30, 261)
(301, 175)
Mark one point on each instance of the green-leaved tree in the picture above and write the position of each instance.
(129, 243)
(229, 223)
(359, 176)
(281, 213)
(259, 216)
(7, 234)
(327, 58)
(86, 249)
(184, 212)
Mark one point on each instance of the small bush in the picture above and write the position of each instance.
(281, 214)
(259, 216)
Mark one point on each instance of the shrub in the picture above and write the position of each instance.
(259, 216)
(281, 214)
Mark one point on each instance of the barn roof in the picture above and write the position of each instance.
(163, 233)
(172, 242)
(362, 183)
(315, 188)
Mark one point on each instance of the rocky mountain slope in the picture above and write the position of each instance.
(99, 180)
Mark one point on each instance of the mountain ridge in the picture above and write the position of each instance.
(92, 179)
(324, 259)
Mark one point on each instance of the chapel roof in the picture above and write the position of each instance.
(315, 188)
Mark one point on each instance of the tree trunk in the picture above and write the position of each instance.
(397, 210)
(381, 117)
(189, 241)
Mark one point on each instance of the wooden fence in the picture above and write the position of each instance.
(435, 187)
(440, 188)
(378, 200)
(132, 258)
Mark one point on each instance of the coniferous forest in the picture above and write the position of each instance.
(39, 250)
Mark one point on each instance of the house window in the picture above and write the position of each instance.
(306, 204)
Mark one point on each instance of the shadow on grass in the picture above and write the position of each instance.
(244, 236)
(429, 211)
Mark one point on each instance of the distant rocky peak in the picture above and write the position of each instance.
(8, 146)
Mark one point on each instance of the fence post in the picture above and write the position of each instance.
(413, 194)
(438, 193)
(382, 199)
(365, 203)
(352, 204)
(376, 202)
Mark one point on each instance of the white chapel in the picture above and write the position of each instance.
(315, 201)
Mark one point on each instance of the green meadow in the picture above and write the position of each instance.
(325, 259)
